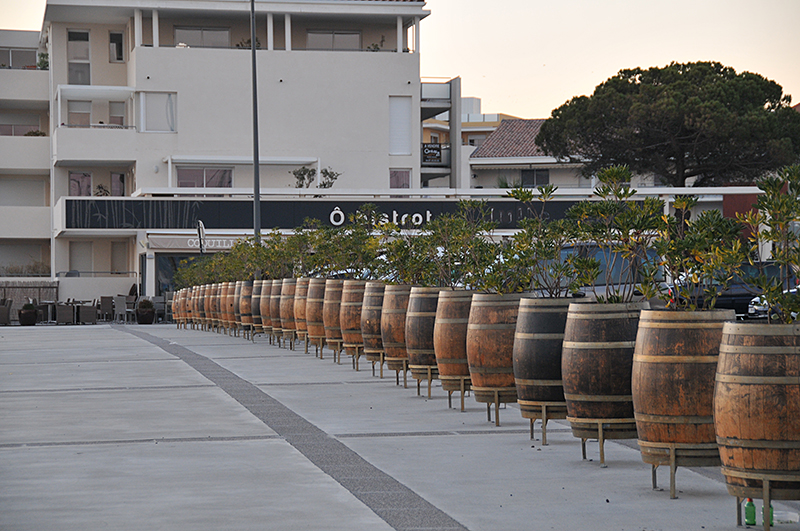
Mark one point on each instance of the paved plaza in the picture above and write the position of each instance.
(129, 427)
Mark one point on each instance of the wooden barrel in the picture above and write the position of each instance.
(314, 303)
(596, 367)
(221, 295)
(757, 409)
(177, 311)
(202, 306)
(537, 358)
(245, 304)
(672, 385)
(450, 338)
(264, 304)
(256, 305)
(237, 303)
(229, 310)
(210, 300)
(287, 304)
(490, 346)
(420, 320)
(350, 313)
(330, 310)
(371, 320)
(275, 306)
(300, 296)
(393, 326)
(190, 306)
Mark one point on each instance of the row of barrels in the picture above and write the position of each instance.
(612, 370)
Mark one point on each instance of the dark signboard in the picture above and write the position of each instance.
(152, 214)
(431, 153)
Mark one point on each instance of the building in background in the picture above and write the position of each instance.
(146, 109)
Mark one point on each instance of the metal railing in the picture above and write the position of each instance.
(74, 273)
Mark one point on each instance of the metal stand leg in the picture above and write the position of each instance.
(767, 504)
(544, 424)
(738, 511)
(673, 468)
(602, 441)
(583, 448)
(462, 393)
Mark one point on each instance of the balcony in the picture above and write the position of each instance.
(25, 154)
(25, 88)
(99, 144)
(25, 222)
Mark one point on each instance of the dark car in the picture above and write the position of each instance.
(740, 292)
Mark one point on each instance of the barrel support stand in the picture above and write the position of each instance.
(429, 369)
(765, 492)
(601, 438)
(336, 346)
(464, 388)
(356, 348)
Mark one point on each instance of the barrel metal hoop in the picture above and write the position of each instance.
(675, 359)
(758, 380)
(525, 335)
(673, 419)
(747, 443)
(492, 370)
(539, 383)
(452, 321)
(455, 361)
(599, 344)
(421, 314)
(756, 350)
(507, 326)
(681, 325)
(599, 398)
(593, 316)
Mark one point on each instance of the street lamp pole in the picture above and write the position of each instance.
(256, 160)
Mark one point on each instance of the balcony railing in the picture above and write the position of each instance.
(98, 126)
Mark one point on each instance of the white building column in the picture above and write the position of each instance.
(156, 42)
(137, 28)
(399, 34)
(150, 274)
(287, 27)
(270, 32)
(416, 34)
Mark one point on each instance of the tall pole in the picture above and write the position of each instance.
(256, 169)
(256, 174)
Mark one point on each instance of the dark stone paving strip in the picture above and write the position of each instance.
(395, 503)
(139, 441)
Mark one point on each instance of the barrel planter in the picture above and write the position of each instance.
(596, 367)
(229, 310)
(212, 303)
(208, 295)
(490, 348)
(196, 316)
(201, 306)
(674, 364)
(190, 306)
(537, 360)
(237, 306)
(246, 307)
(330, 315)
(288, 287)
(757, 410)
(350, 318)
(450, 342)
(393, 329)
(220, 305)
(300, 295)
(263, 307)
(275, 308)
(176, 308)
(420, 320)
(371, 323)
(314, 321)
(256, 306)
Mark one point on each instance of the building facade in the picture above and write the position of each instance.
(152, 99)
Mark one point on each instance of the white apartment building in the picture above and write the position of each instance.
(146, 110)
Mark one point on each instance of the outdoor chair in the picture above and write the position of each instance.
(5, 311)
(160, 307)
(87, 313)
(106, 308)
(65, 314)
(121, 309)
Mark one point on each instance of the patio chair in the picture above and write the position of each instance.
(65, 314)
(87, 313)
(121, 312)
(5, 311)
(106, 308)
(161, 308)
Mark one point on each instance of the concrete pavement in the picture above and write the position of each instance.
(150, 427)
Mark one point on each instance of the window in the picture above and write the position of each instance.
(117, 184)
(79, 113)
(78, 71)
(189, 177)
(203, 37)
(399, 178)
(116, 113)
(534, 178)
(80, 184)
(80, 256)
(434, 139)
(17, 124)
(476, 140)
(159, 112)
(17, 58)
(116, 50)
(333, 40)
(399, 125)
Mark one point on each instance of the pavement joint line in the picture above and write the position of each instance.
(84, 389)
(417, 512)
(142, 441)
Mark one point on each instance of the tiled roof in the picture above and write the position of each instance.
(797, 107)
(513, 138)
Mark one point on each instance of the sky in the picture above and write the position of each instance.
(527, 57)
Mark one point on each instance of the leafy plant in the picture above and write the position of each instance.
(146, 304)
(44, 61)
(701, 256)
(541, 245)
(617, 230)
(35, 132)
(28, 307)
(774, 224)
(247, 43)
(101, 191)
(305, 177)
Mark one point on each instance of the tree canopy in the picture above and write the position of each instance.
(698, 120)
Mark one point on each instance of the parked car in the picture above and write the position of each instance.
(739, 293)
(757, 309)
